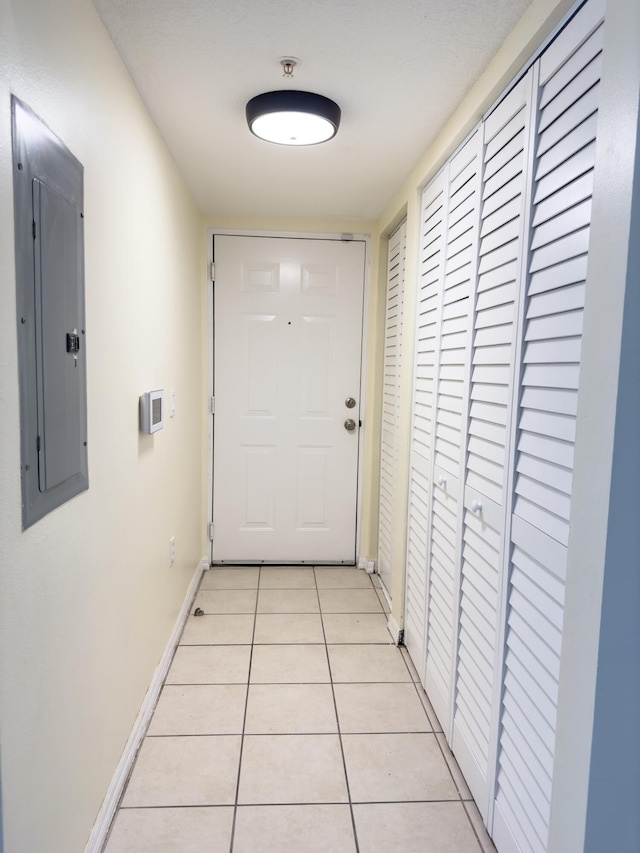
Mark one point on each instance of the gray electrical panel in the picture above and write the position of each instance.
(48, 205)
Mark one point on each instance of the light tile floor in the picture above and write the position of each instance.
(290, 722)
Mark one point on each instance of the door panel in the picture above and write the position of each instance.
(288, 332)
(450, 424)
(502, 227)
(557, 263)
(429, 298)
(391, 402)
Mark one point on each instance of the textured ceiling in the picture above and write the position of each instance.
(396, 70)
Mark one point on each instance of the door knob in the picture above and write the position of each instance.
(350, 425)
(349, 402)
(476, 506)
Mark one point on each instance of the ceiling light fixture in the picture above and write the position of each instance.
(291, 117)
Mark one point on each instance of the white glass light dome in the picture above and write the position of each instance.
(290, 117)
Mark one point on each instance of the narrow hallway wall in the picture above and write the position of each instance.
(87, 598)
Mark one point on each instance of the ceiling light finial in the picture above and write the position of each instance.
(288, 64)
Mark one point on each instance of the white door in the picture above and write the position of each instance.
(391, 402)
(288, 339)
(428, 310)
(503, 224)
(449, 423)
(563, 174)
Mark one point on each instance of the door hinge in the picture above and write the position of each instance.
(212, 405)
(38, 443)
(212, 271)
(210, 530)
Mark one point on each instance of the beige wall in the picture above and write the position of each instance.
(87, 600)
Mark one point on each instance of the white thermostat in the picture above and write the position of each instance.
(151, 411)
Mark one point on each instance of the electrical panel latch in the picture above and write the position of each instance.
(73, 342)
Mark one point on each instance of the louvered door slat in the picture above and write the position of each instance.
(553, 351)
(515, 697)
(561, 400)
(560, 250)
(506, 151)
(554, 76)
(477, 698)
(396, 255)
(487, 413)
(580, 88)
(554, 291)
(495, 355)
(473, 633)
(572, 194)
(492, 394)
(575, 167)
(557, 263)
(537, 737)
(495, 294)
(568, 133)
(579, 216)
(472, 712)
(551, 475)
(488, 449)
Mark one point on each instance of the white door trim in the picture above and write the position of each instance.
(312, 235)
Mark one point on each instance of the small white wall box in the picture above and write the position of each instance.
(151, 411)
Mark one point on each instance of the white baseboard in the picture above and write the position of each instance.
(395, 630)
(112, 798)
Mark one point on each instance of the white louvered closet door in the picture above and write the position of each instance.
(428, 312)
(390, 401)
(450, 422)
(506, 173)
(569, 74)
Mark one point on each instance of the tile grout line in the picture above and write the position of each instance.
(244, 718)
(444, 758)
(435, 734)
(335, 707)
(400, 731)
(473, 828)
(311, 803)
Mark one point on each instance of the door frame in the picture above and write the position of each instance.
(366, 303)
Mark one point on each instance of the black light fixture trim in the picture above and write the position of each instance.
(294, 101)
